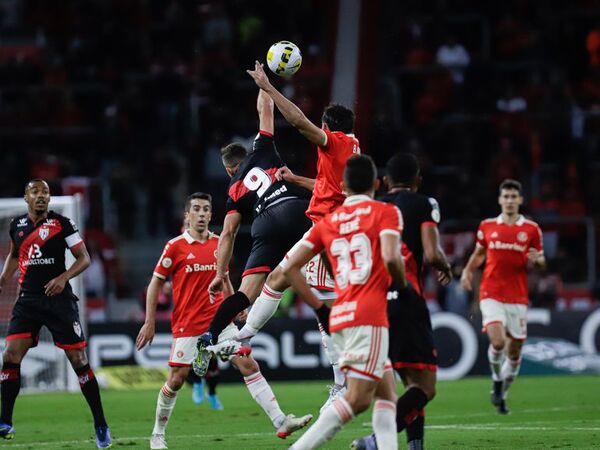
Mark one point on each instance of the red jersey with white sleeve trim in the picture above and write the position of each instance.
(351, 237)
(331, 160)
(505, 272)
(192, 265)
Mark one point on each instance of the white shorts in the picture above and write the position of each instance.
(512, 316)
(315, 271)
(363, 351)
(184, 349)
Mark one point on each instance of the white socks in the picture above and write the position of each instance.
(262, 394)
(384, 425)
(495, 358)
(262, 310)
(328, 424)
(164, 407)
(333, 355)
(510, 370)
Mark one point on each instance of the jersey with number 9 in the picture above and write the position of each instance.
(351, 236)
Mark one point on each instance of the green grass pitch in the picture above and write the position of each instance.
(552, 412)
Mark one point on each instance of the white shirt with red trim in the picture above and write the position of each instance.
(505, 272)
(351, 235)
(192, 265)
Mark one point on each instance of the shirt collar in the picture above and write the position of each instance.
(190, 239)
(354, 199)
(519, 221)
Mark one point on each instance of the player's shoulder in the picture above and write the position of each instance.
(532, 224)
(213, 236)
(489, 221)
(176, 241)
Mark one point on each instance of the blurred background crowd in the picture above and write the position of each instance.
(128, 102)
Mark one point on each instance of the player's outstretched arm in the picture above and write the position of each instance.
(434, 254)
(284, 173)
(82, 261)
(264, 106)
(475, 261)
(11, 264)
(231, 225)
(392, 258)
(146, 334)
(288, 109)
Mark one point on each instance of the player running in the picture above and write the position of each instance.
(191, 260)
(412, 350)
(38, 241)
(509, 244)
(362, 241)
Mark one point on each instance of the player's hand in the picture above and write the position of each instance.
(216, 286)
(259, 76)
(534, 256)
(55, 286)
(145, 336)
(285, 174)
(444, 276)
(466, 280)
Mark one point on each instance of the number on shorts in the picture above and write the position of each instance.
(257, 180)
(354, 259)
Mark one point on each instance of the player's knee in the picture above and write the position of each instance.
(359, 404)
(77, 359)
(430, 392)
(498, 344)
(12, 356)
(277, 279)
(246, 366)
(176, 381)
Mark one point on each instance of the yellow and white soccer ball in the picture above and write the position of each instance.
(284, 58)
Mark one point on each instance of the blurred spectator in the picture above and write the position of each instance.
(592, 44)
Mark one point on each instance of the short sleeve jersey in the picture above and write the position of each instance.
(351, 236)
(331, 160)
(192, 265)
(418, 211)
(40, 248)
(254, 187)
(505, 271)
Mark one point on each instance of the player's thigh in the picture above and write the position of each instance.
(363, 351)
(252, 284)
(514, 347)
(16, 349)
(494, 321)
(386, 389)
(62, 320)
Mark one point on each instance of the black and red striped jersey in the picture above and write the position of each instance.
(418, 211)
(40, 248)
(254, 187)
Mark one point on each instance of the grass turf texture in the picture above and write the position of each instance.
(552, 412)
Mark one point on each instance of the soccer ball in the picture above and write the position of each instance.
(284, 58)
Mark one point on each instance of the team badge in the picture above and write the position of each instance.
(167, 262)
(77, 328)
(44, 232)
(522, 236)
(180, 354)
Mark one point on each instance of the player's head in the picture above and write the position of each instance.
(360, 176)
(37, 196)
(232, 156)
(198, 211)
(510, 197)
(338, 118)
(402, 170)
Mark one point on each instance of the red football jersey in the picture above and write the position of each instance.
(192, 265)
(505, 272)
(351, 237)
(331, 160)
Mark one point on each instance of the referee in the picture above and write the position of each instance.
(38, 241)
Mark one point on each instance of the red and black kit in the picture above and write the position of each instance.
(40, 248)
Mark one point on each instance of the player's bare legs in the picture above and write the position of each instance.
(261, 392)
(15, 351)
(89, 389)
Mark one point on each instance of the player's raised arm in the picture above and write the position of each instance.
(475, 261)
(231, 225)
(288, 109)
(146, 334)
(11, 264)
(264, 106)
(284, 173)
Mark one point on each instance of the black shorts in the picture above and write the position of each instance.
(59, 314)
(411, 335)
(274, 233)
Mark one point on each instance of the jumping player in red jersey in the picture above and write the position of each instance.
(362, 241)
(191, 260)
(509, 244)
(38, 241)
(412, 349)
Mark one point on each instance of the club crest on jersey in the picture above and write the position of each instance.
(77, 328)
(522, 236)
(44, 232)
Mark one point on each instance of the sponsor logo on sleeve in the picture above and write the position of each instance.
(167, 262)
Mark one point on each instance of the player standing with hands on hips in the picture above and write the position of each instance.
(509, 244)
(38, 241)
